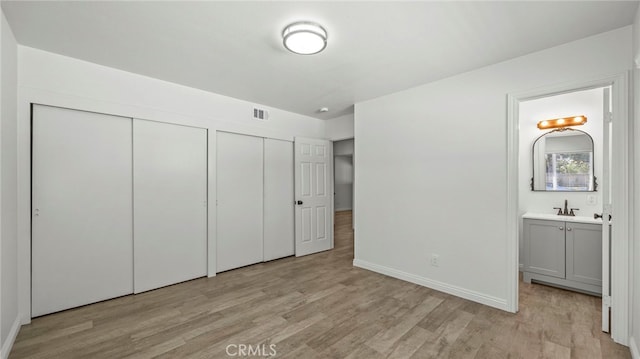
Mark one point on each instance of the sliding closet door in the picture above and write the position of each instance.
(170, 203)
(279, 233)
(239, 180)
(81, 208)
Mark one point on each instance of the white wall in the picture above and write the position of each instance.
(431, 168)
(588, 103)
(635, 261)
(56, 80)
(339, 128)
(8, 214)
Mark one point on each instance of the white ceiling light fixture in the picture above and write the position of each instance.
(304, 38)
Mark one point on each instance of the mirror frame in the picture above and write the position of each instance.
(533, 162)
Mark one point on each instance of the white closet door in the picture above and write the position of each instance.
(169, 201)
(81, 203)
(239, 179)
(279, 233)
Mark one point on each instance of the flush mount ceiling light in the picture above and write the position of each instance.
(562, 122)
(304, 38)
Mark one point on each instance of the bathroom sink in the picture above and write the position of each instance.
(555, 217)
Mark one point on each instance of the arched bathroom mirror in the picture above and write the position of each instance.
(563, 161)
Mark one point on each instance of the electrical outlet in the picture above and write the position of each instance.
(435, 260)
(591, 199)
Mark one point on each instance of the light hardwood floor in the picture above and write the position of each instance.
(320, 306)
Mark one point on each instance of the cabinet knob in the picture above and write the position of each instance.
(561, 228)
(568, 228)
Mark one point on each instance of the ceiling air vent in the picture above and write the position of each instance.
(260, 114)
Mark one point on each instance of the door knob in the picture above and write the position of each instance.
(596, 216)
(299, 202)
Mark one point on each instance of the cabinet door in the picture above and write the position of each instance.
(544, 247)
(239, 174)
(170, 208)
(81, 247)
(584, 253)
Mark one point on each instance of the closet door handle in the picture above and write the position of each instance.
(299, 202)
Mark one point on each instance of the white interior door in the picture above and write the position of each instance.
(170, 203)
(239, 177)
(82, 249)
(314, 195)
(606, 211)
(278, 199)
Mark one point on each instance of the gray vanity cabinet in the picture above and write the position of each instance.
(545, 249)
(563, 253)
(584, 253)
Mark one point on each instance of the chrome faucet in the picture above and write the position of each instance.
(566, 211)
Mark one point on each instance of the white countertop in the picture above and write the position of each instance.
(555, 217)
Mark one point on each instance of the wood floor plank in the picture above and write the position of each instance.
(320, 306)
(384, 342)
(351, 341)
(296, 327)
(553, 350)
(410, 343)
(442, 345)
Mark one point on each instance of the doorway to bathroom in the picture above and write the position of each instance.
(548, 169)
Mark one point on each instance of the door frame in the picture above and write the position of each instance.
(622, 186)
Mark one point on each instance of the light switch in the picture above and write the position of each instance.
(592, 199)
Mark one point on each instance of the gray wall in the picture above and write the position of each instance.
(342, 148)
(635, 262)
(343, 174)
(339, 128)
(343, 182)
(8, 199)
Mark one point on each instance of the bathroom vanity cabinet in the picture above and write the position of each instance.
(563, 252)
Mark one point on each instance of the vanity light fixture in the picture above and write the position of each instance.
(562, 122)
(304, 38)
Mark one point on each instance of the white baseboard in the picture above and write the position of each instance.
(8, 344)
(633, 346)
(342, 209)
(471, 295)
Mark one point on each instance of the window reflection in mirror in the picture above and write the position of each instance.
(563, 161)
(569, 171)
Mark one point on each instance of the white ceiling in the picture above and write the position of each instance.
(374, 48)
